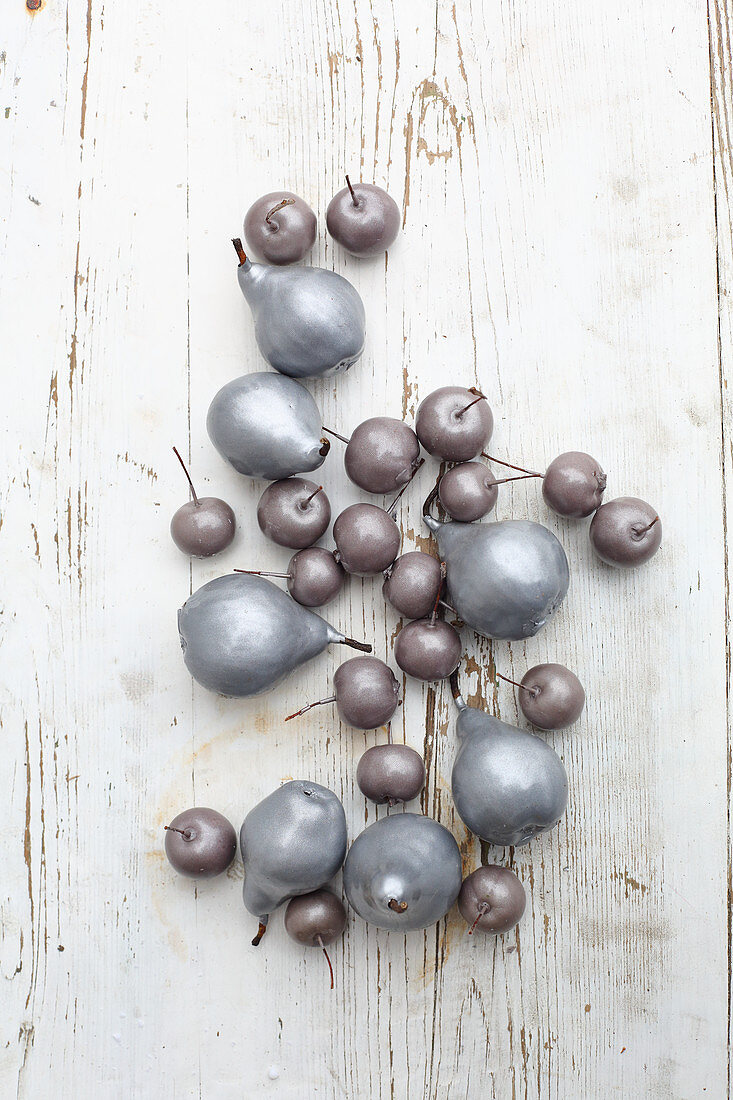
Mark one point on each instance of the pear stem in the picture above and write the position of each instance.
(262, 573)
(500, 462)
(319, 941)
(390, 509)
(481, 397)
(260, 933)
(482, 908)
(188, 476)
(309, 706)
(456, 690)
(334, 434)
(351, 191)
(397, 906)
(239, 249)
(325, 447)
(280, 205)
(364, 647)
(534, 692)
(310, 498)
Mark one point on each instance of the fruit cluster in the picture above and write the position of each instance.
(241, 633)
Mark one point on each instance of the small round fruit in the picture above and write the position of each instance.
(454, 423)
(203, 527)
(367, 539)
(382, 455)
(293, 512)
(413, 583)
(625, 532)
(280, 228)
(573, 485)
(551, 697)
(200, 843)
(468, 491)
(314, 577)
(428, 649)
(492, 899)
(315, 919)
(367, 692)
(363, 218)
(391, 773)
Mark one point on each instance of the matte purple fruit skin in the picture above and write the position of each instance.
(559, 700)
(428, 651)
(613, 532)
(319, 914)
(573, 485)
(468, 491)
(413, 584)
(203, 529)
(211, 848)
(367, 539)
(390, 773)
(295, 231)
(501, 890)
(314, 577)
(284, 516)
(381, 455)
(446, 435)
(366, 691)
(367, 227)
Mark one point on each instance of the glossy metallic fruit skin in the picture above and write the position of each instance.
(381, 455)
(508, 784)
(241, 635)
(573, 485)
(499, 893)
(412, 584)
(366, 227)
(314, 576)
(390, 773)
(505, 579)
(293, 512)
(315, 919)
(204, 528)
(292, 842)
(367, 539)
(620, 534)
(367, 692)
(288, 235)
(553, 697)
(200, 842)
(446, 430)
(468, 491)
(266, 425)
(308, 321)
(410, 860)
(428, 650)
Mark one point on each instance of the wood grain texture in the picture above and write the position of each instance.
(562, 170)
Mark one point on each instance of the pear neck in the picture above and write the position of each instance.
(433, 524)
(456, 692)
(250, 276)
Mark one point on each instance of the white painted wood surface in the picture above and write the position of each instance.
(562, 168)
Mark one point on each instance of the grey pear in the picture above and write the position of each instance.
(266, 425)
(505, 579)
(241, 635)
(308, 321)
(292, 842)
(403, 872)
(508, 784)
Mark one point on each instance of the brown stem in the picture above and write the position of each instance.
(351, 191)
(363, 647)
(534, 692)
(309, 706)
(448, 607)
(500, 462)
(397, 906)
(319, 941)
(325, 447)
(280, 205)
(260, 933)
(396, 500)
(262, 573)
(521, 477)
(481, 397)
(310, 498)
(644, 530)
(334, 434)
(482, 907)
(188, 476)
(239, 249)
(454, 685)
(185, 833)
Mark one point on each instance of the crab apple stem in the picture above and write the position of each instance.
(239, 249)
(448, 607)
(351, 191)
(482, 907)
(260, 933)
(363, 647)
(315, 494)
(649, 526)
(520, 477)
(501, 462)
(319, 941)
(523, 687)
(280, 205)
(334, 434)
(262, 573)
(397, 906)
(480, 397)
(389, 733)
(172, 829)
(309, 706)
(188, 476)
(390, 508)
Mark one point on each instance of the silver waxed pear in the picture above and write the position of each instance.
(291, 843)
(241, 635)
(308, 321)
